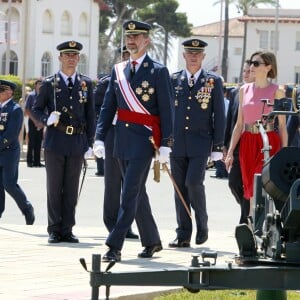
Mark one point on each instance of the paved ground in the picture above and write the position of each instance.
(31, 269)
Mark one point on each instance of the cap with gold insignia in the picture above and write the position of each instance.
(136, 27)
(194, 45)
(69, 47)
(4, 84)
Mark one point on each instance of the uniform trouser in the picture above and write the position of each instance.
(134, 205)
(189, 174)
(112, 184)
(8, 182)
(63, 173)
(35, 138)
(235, 184)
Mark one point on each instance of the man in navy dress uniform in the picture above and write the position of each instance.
(112, 172)
(198, 133)
(140, 93)
(68, 98)
(11, 121)
(35, 130)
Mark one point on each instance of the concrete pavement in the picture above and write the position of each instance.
(31, 269)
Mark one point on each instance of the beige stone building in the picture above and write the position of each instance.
(35, 27)
(264, 28)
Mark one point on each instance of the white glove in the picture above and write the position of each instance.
(164, 154)
(53, 118)
(216, 156)
(99, 149)
(89, 153)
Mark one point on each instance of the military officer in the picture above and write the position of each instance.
(68, 98)
(11, 121)
(140, 92)
(198, 134)
(112, 172)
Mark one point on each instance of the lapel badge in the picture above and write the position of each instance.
(204, 105)
(145, 84)
(139, 90)
(145, 97)
(145, 64)
(4, 116)
(151, 90)
(152, 71)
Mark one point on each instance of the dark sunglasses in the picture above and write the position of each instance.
(255, 63)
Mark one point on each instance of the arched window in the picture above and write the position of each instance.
(83, 25)
(82, 65)
(66, 23)
(13, 64)
(46, 65)
(14, 25)
(48, 22)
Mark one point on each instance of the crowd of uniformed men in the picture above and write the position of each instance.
(144, 113)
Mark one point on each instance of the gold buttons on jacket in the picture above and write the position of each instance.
(187, 117)
(127, 125)
(186, 127)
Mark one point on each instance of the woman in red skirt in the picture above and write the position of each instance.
(263, 67)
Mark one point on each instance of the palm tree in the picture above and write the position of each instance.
(244, 6)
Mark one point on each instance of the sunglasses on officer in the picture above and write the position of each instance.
(256, 63)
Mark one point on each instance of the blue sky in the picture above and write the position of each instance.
(199, 14)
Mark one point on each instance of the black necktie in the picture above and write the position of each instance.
(192, 81)
(133, 64)
(70, 84)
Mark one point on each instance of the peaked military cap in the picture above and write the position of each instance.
(136, 27)
(69, 47)
(4, 84)
(194, 45)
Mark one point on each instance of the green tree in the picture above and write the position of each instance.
(164, 16)
(112, 15)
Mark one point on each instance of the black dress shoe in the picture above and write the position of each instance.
(29, 215)
(38, 165)
(54, 238)
(179, 243)
(131, 235)
(150, 250)
(70, 238)
(29, 165)
(201, 237)
(112, 255)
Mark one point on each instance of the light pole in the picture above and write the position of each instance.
(165, 41)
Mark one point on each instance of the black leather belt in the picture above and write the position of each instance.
(70, 130)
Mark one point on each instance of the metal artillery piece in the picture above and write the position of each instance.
(269, 250)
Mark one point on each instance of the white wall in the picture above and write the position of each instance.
(38, 42)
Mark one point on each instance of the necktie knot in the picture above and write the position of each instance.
(191, 81)
(133, 66)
